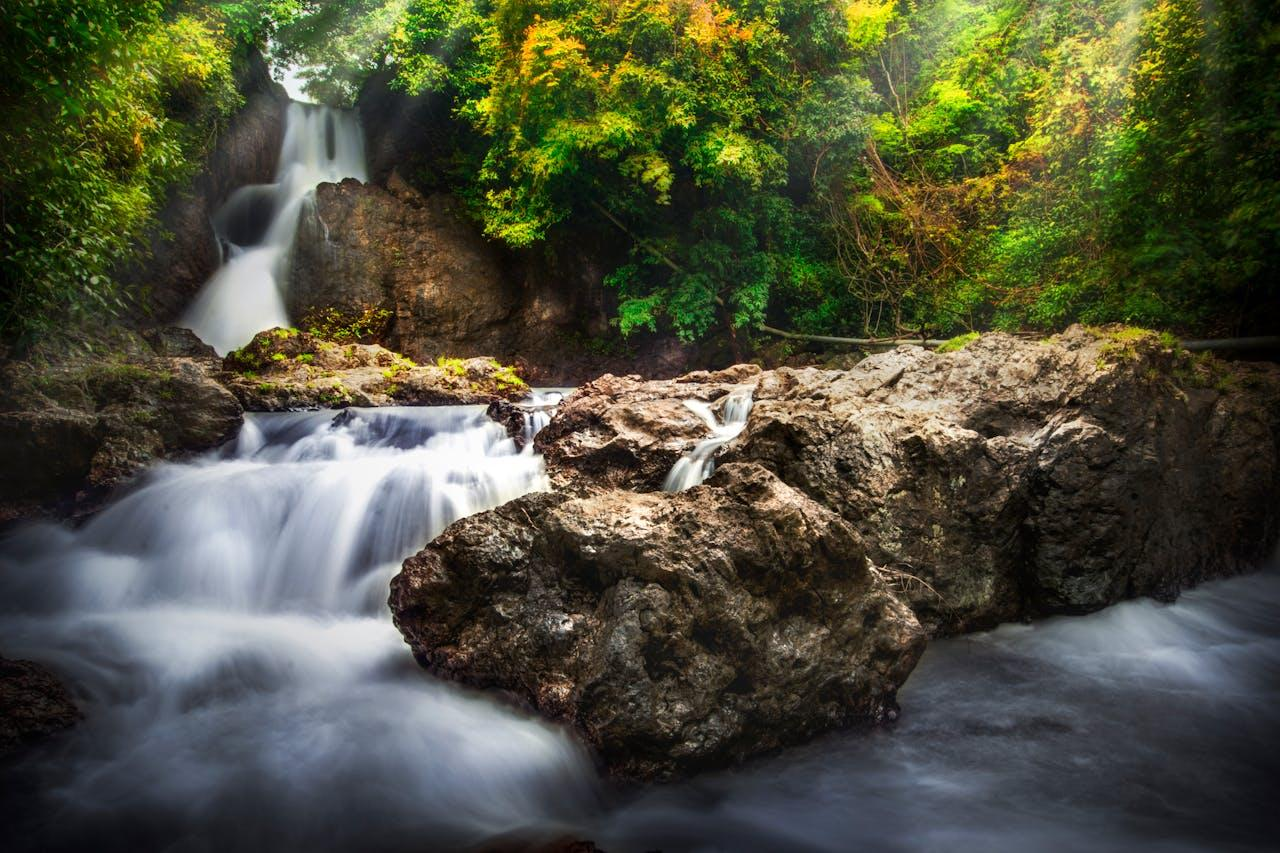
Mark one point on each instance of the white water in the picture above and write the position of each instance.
(699, 464)
(224, 629)
(543, 404)
(257, 225)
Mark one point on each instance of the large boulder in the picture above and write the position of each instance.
(625, 432)
(677, 632)
(74, 424)
(361, 246)
(451, 292)
(1008, 479)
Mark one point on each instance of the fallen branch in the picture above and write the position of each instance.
(1266, 342)
(861, 342)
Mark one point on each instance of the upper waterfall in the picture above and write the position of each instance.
(257, 224)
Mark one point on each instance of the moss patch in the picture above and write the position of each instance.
(959, 342)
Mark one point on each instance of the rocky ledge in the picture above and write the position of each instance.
(917, 493)
(283, 369)
(75, 423)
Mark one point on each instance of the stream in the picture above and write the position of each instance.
(224, 628)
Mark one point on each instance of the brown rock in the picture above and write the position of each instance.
(1009, 479)
(33, 705)
(75, 424)
(677, 632)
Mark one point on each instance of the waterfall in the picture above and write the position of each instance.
(538, 411)
(698, 464)
(256, 227)
(226, 631)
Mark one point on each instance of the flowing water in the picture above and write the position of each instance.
(257, 224)
(224, 628)
(699, 464)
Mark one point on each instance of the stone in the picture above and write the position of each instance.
(34, 705)
(75, 424)
(676, 632)
(286, 369)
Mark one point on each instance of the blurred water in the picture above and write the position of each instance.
(257, 224)
(1143, 727)
(700, 463)
(224, 627)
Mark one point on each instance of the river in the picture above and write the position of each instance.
(224, 628)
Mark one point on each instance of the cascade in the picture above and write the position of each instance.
(257, 224)
(698, 464)
(225, 628)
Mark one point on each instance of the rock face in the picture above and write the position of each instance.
(625, 432)
(677, 632)
(451, 292)
(284, 369)
(33, 705)
(364, 246)
(184, 252)
(1005, 481)
(74, 425)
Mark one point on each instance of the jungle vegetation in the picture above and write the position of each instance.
(855, 167)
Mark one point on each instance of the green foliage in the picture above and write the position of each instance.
(452, 366)
(958, 343)
(110, 102)
(344, 327)
(506, 379)
(860, 167)
(336, 44)
(677, 125)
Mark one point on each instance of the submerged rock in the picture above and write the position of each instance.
(33, 705)
(74, 424)
(282, 369)
(677, 632)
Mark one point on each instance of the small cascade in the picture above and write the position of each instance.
(698, 464)
(538, 411)
(257, 224)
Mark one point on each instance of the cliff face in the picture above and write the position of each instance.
(1010, 480)
(183, 252)
(451, 292)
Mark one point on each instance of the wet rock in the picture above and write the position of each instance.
(74, 424)
(33, 705)
(620, 431)
(1009, 479)
(676, 632)
(284, 369)
(362, 246)
(450, 292)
